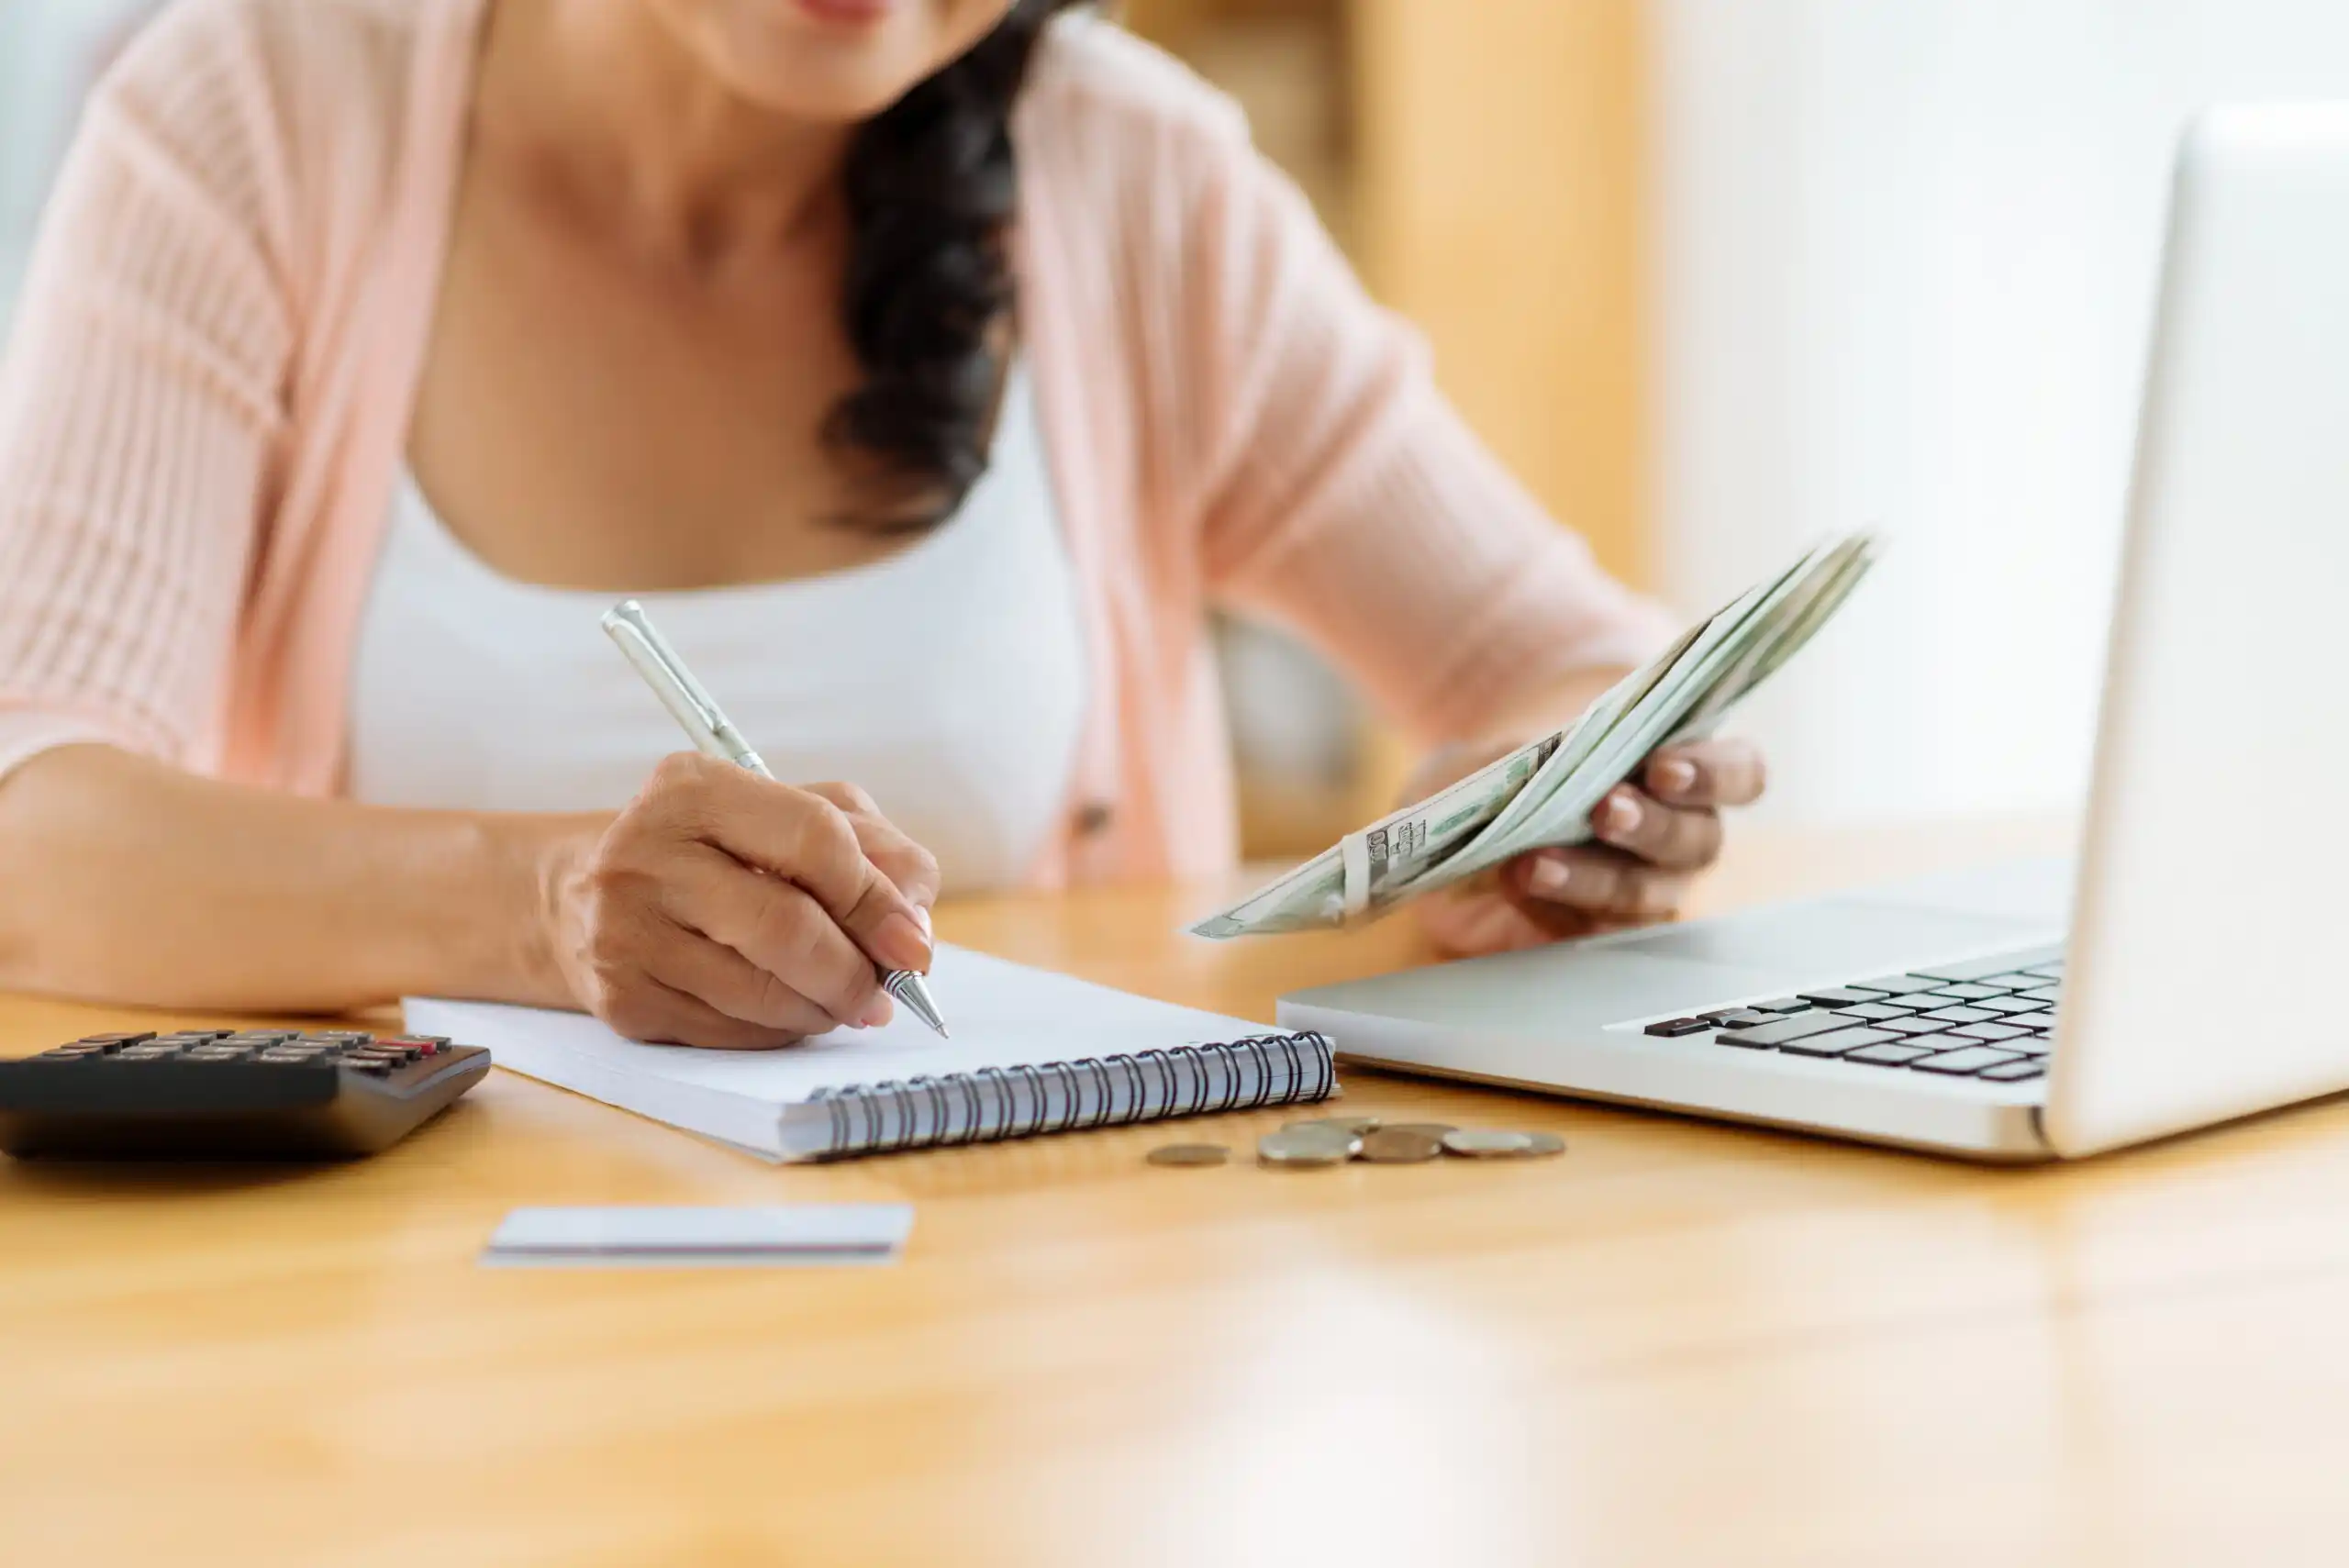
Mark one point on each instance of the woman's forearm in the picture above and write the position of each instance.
(125, 880)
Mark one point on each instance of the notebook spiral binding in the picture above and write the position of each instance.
(924, 1112)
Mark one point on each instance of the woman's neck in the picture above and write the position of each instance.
(604, 98)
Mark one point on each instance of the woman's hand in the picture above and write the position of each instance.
(725, 909)
(1653, 836)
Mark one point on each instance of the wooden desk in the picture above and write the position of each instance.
(1682, 1343)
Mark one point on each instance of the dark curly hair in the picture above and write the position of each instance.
(932, 182)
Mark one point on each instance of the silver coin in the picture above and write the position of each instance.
(1190, 1155)
(1544, 1145)
(1352, 1126)
(1307, 1146)
(1398, 1146)
(1485, 1143)
(1435, 1129)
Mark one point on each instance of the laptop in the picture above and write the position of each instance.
(2173, 974)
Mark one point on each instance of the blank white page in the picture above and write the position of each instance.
(1001, 1015)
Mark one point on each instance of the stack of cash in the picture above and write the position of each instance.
(1542, 796)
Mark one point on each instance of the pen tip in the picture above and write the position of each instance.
(913, 991)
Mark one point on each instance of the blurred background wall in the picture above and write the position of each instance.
(1714, 276)
(49, 50)
(1903, 262)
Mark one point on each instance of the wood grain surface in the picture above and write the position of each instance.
(1681, 1343)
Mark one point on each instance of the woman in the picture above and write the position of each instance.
(929, 365)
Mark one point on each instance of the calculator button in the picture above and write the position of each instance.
(423, 1045)
(115, 1041)
(371, 1065)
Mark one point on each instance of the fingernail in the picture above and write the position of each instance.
(901, 943)
(1623, 815)
(877, 1012)
(1677, 776)
(921, 913)
(1547, 878)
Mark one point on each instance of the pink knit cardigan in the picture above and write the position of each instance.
(205, 400)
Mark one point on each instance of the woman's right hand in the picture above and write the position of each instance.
(725, 909)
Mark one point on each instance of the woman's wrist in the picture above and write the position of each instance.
(531, 860)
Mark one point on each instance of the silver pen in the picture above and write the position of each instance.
(714, 734)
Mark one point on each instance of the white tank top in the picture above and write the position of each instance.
(948, 680)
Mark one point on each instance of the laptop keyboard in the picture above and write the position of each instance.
(1992, 1019)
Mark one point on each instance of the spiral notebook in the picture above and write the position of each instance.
(1031, 1053)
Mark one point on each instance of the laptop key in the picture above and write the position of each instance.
(2010, 1005)
(1986, 1032)
(1871, 1011)
(1895, 1055)
(1912, 1026)
(1783, 1005)
(1960, 1014)
(1894, 984)
(1835, 1042)
(2050, 995)
(1963, 1063)
(1743, 1019)
(1672, 1028)
(2014, 1071)
(1966, 993)
(1784, 1029)
(1838, 996)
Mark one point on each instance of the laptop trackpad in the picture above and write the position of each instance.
(1830, 939)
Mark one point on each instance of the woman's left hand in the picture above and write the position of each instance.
(1655, 832)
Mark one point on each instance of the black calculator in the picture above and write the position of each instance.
(230, 1094)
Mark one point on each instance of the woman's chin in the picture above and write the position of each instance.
(790, 62)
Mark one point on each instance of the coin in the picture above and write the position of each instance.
(1482, 1143)
(1190, 1155)
(1491, 1143)
(1307, 1146)
(1352, 1126)
(1398, 1146)
(1435, 1129)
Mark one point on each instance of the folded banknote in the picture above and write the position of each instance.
(1543, 793)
